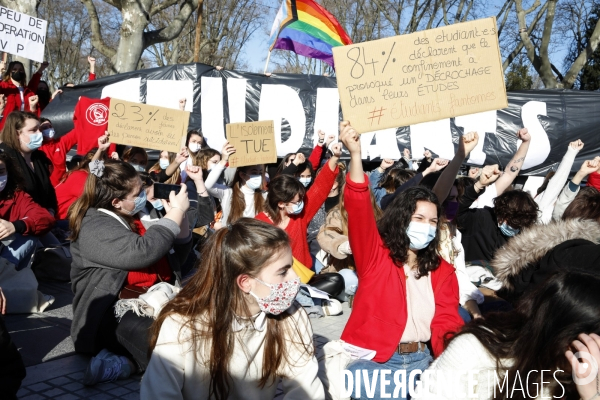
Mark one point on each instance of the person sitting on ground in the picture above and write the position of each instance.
(233, 331)
(21, 139)
(485, 230)
(116, 257)
(563, 315)
(571, 189)
(137, 157)
(407, 295)
(56, 149)
(22, 221)
(166, 170)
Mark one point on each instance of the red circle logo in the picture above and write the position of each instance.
(97, 114)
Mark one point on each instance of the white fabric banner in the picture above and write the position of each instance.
(22, 35)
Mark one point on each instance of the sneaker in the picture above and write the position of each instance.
(106, 367)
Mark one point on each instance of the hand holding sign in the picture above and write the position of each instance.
(349, 138)
(226, 151)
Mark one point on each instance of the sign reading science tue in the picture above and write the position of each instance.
(425, 76)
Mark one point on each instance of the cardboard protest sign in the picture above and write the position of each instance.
(149, 127)
(22, 35)
(425, 76)
(254, 143)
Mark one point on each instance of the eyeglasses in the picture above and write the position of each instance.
(296, 203)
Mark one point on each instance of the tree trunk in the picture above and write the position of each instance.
(198, 32)
(28, 7)
(131, 43)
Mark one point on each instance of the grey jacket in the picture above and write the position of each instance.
(103, 254)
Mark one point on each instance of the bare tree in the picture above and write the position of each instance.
(537, 50)
(134, 38)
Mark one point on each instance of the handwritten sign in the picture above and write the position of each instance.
(254, 143)
(149, 127)
(22, 34)
(425, 76)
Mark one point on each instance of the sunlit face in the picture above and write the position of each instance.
(277, 270)
(425, 213)
(164, 155)
(252, 170)
(126, 205)
(196, 139)
(31, 127)
(213, 161)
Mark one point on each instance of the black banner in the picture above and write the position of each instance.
(305, 103)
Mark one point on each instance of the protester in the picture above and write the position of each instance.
(383, 184)
(17, 95)
(288, 208)
(485, 230)
(22, 220)
(116, 257)
(571, 190)
(72, 185)
(295, 164)
(56, 149)
(43, 94)
(407, 295)
(137, 157)
(559, 318)
(194, 142)
(233, 330)
(167, 169)
(21, 140)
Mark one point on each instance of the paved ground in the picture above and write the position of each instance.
(54, 371)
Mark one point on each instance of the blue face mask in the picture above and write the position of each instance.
(139, 203)
(35, 141)
(420, 235)
(296, 208)
(254, 182)
(305, 181)
(508, 230)
(164, 163)
(138, 167)
(158, 205)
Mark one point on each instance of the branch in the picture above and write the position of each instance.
(557, 72)
(584, 56)
(520, 46)
(174, 28)
(387, 16)
(547, 34)
(505, 10)
(523, 32)
(115, 3)
(97, 41)
(163, 5)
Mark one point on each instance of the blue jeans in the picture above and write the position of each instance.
(20, 251)
(419, 360)
(464, 314)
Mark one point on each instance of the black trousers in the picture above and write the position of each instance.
(12, 369)
(128, 337)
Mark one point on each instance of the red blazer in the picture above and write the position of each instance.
(13, 97)
(379, 312)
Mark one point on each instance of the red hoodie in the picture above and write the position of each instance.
(594, 180)
(28, 217)
(56, 150)
(13, 97)
(91, 122)
(379, 311)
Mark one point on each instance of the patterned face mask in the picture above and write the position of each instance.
(281, 297)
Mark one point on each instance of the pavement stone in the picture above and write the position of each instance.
(61, 378)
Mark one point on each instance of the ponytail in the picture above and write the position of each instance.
(118, 179)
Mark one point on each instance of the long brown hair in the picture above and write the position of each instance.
(210, 302)
(201, 159)
(119, 178)
(173, 179)
(238, 204)
(396, 178)
(15, 121)
(7, 74)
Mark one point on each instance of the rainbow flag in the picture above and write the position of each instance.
(308, 29)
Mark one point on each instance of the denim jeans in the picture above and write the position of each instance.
(20, 250)
(419, 360)
(464, 314)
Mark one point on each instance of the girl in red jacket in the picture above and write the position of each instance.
(21, 219)
(407, 295)
(18, 96)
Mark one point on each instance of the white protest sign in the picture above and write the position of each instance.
(22, 35)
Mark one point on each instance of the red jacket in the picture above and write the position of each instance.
(28, 217)
(13, 97)
(594, 180)
(56, 150)
(379, 312)
(69, 191)
(298, 225)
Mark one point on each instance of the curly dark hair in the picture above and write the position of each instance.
(517, 208)
(282, 188)
(15, 178)
(395, 178)
(392, 228)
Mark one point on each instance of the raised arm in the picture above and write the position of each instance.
(444, 183)
(514, 166)
(92, 62)
(375, 179)
(572, 188)
(318, 192)
(557, 182)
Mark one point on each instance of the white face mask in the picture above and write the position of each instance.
(194, 147)
(305, 181)
(254, 182)
(3, 181)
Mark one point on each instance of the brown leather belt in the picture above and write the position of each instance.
(410, 347)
